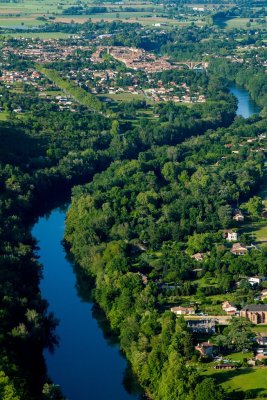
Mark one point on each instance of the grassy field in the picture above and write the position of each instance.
(41, 35)
(3, 116)
(253, 380)
(35, 7)
(13, 22)
(242, 23)
(126, 97)
(260, 328)
(238, 357)
(257, 230)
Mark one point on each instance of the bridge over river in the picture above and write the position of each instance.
(193, 64)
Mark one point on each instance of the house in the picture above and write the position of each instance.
(226, 304)
(238, 216)
(183, 310)
(231, 311)
(263, 295)
(143, 277)
(230, 235)
(229, 308)
(205, 349)
(239, 249)
(256, 313)
(261, 357)
(201, 326)
(197, 271)
(254, 280)
(198, 256)
(225, 366)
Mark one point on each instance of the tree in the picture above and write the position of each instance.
(207, 390)
(238, 335)
(7, 390)
(115, 127)
(225, 215)
(51, 392)
(177, 379)
(254, 206)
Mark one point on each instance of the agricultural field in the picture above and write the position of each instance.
(245, 23)
(141, 18)
(39, 35)
(242, 23)
(27, 14)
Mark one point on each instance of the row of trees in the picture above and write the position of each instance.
(80, 95)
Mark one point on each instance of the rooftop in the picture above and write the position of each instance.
(255, 307)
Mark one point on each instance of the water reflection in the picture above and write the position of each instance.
(87, 364)
(246, 106)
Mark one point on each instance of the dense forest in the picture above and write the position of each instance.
(40, 151)
(150, 190)
(37, 155)
(171, 202)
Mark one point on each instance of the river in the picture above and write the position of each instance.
(246, 106)
(85, 364)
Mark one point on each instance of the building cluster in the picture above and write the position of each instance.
(210, 350)
(46, 89)
(139, 59)
(255, 313)
(255, 144)
(12, 76)
(102, 79)
(242, 54)
(43, 50)
(65, 103)
(174, 92)
(108, 82)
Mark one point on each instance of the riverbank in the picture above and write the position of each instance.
(85, 358)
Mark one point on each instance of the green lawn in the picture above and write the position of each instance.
(259, 328)
(243, 379)
(258, 230)
(3, 115)
(239, 356)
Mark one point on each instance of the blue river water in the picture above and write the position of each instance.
(86, 365)
(246, 106)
